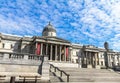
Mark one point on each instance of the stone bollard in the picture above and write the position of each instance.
(12, 79)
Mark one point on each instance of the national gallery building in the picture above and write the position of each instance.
(59, 50)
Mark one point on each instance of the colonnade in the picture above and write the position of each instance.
(90, 59)
(54, 52)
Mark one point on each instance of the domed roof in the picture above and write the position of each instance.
(49, 28)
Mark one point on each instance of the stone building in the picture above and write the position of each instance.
(58, 49)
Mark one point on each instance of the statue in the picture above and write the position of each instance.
(106, 46)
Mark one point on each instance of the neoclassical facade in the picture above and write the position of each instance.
(58, 49)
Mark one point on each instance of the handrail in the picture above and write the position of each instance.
(61, 71)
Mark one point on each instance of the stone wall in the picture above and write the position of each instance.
(13, 64)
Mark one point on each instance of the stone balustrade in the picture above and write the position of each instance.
(19, 58)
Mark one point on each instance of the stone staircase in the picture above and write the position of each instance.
(81, 75)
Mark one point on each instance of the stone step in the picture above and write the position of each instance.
(82, 75)
(83, 69)
(92, 74)
(85, 79)
(56, 79)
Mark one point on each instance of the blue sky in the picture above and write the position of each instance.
(79, 21)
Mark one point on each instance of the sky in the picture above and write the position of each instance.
(87, 22)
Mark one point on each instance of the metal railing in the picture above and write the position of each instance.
(61, 71)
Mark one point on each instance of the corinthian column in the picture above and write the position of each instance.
(60, 53)
(41, 48)
(56, 52)
(65, 53)
(51, 53)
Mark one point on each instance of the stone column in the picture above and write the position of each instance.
(109, 60)
(51, 52)
(70, 54)
(98, 58)
(47, 49)
(41, 49)
(118, 60)
(65, 53)
(34, 49)
(89, 63)
(97, 66)
(56, 53)
(95, 59)
(86, 57)
(60, 53)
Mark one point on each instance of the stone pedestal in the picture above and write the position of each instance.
(89, 66)
(79, 66)
(45, 70)
(97, 67)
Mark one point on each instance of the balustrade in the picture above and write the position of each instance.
(19, 58)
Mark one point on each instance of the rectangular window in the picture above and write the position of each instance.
(102, 63)
(89, 62)
(97, 62)
(11, 46)
(3, 45)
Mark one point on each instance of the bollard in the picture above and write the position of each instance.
(12, 79)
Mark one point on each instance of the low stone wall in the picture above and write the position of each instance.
(18, 68)
(20, 59)
(64, 64)
(13, 64)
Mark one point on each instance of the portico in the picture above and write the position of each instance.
(90, 58)
(55, 48)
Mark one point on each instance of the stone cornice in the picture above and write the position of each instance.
(54, 40)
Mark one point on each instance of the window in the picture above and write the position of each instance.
(102, 63)
(97, 62)
(89, 62)
(11, 46)
(51, 34)
(3, 45)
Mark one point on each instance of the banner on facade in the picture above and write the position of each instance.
(38, 49)
(66, 52)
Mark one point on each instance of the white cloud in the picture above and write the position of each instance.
(84, 21)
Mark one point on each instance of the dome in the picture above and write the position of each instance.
(49, 29)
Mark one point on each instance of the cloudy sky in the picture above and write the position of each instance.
(79, 21)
